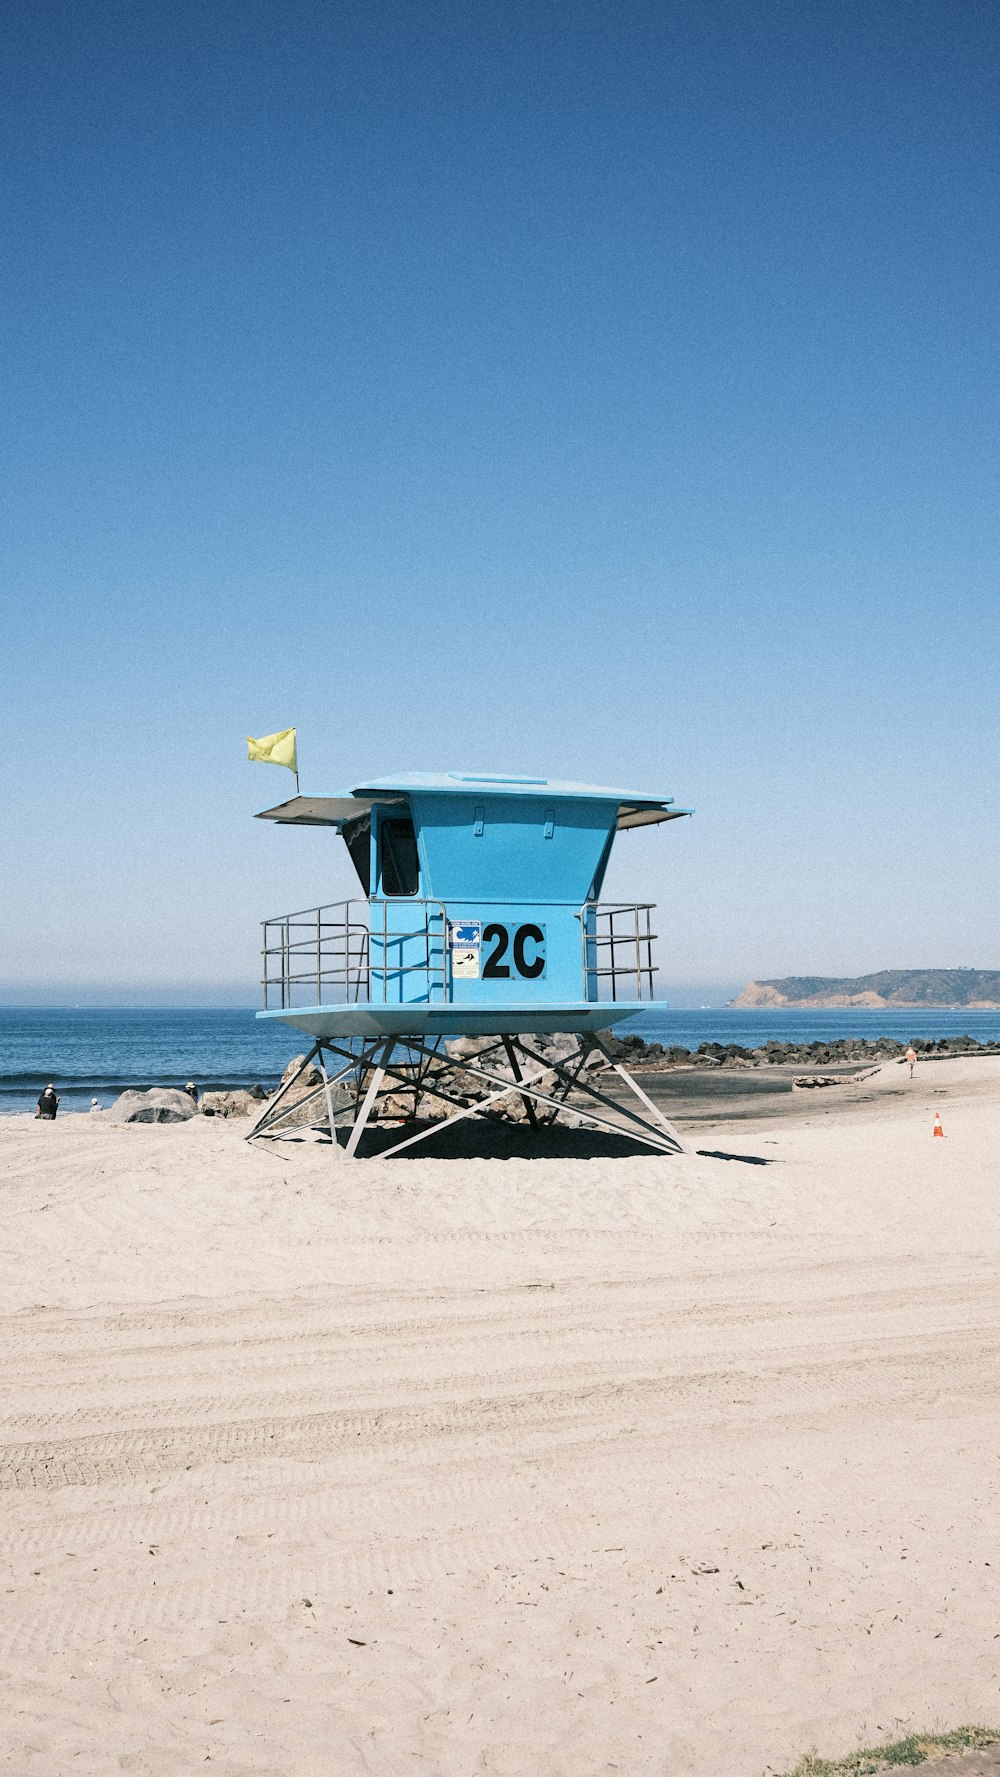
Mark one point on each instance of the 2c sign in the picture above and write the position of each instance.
(527, 952)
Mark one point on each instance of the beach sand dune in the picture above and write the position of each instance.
(506, 1466)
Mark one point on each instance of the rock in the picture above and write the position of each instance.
(395, 1107)
(554, 1045)
(511, 1108)
(303, 1086)
(467, 1048)
(230, 1104)
(437, 1108)
(311, 1077)
(300, 1104)
(161, 1104)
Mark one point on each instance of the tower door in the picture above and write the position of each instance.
(398, 865)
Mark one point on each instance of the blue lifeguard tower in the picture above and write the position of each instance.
(480, 917)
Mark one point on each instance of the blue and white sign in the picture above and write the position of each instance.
(465, 934)
(464, 940)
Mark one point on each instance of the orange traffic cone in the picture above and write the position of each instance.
(937, 1123)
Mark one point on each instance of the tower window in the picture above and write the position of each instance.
(400, 865)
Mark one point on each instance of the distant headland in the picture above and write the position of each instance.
(967, 990)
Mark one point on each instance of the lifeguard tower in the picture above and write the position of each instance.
(480, 917)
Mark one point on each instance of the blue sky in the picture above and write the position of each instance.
(601, 390)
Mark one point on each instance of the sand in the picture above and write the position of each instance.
(563, 1465)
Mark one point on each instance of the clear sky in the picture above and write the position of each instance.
(601, 390)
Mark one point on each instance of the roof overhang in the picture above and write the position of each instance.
(648, 817)
(323, 811)
(337, 811)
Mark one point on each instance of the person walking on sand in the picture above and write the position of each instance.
(48, 1103)
(911, 1059)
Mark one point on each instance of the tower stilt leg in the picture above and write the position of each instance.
(267, 1114)
(515, 1068)
(634, 1086)
(370, 1096)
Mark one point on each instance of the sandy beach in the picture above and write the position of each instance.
(582, 1462)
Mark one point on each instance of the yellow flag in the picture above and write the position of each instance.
(275, 749)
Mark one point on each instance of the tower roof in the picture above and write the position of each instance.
(635, 808)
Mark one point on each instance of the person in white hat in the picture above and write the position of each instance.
(95, 1104)
(48, 1103)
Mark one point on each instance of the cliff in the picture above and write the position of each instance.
(966, 990)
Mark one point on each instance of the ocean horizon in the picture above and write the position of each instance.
(98, 1052)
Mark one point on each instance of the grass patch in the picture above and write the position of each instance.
(912, 1751)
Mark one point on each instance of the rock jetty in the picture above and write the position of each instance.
(633, 1052)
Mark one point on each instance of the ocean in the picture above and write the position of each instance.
(97, 1054)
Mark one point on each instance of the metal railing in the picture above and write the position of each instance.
(353, 951)
(617, 939)
(396, 952)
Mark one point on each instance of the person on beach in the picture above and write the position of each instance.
(95, 1105)
(911, 1059)
(48, 1103)
(192, 1091)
